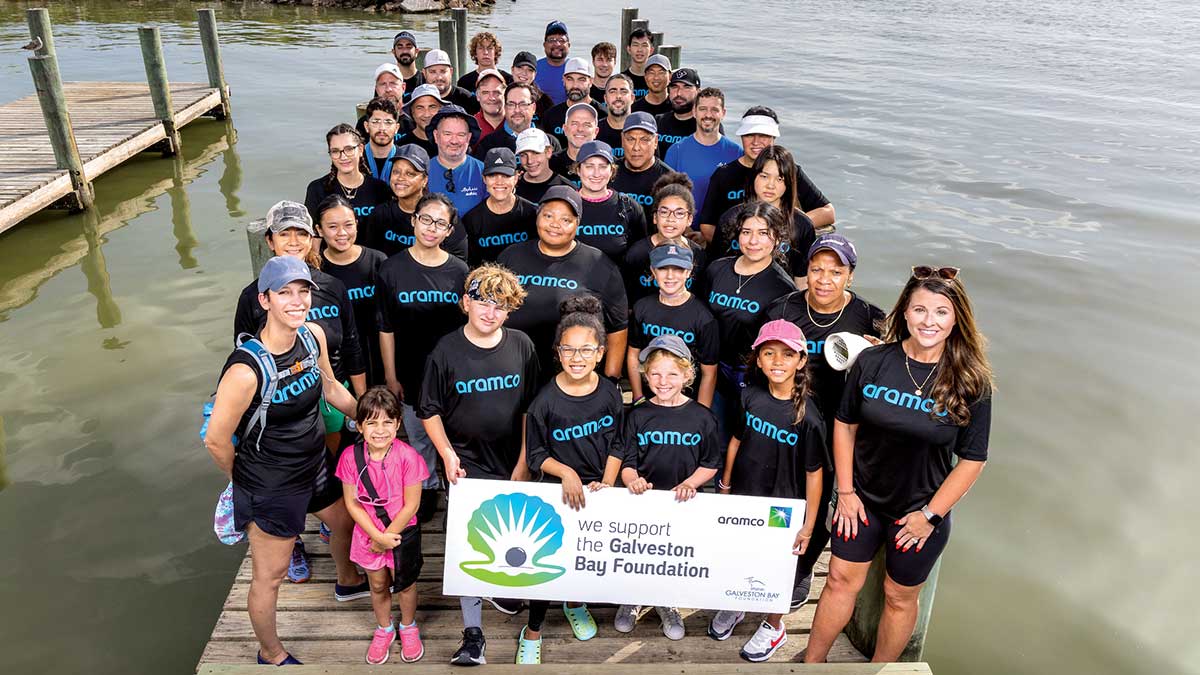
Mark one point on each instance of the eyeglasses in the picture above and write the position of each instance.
(567, 353)
(381, 122)
(925, 272)
(343, 152)
(673, 214)
(518, 104)
(448, 175)
(557, 41)
(437, 224)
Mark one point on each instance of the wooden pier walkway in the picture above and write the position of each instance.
(113, 121)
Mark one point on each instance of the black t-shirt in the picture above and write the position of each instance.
(597, 94)
(287, 457)
(640, 185)
(579, 431)
(666, 445)
(331, 308)
(425, 144)
(726, 189)
(549, 281)
(691, 321)
(671, 130)
(807, 194)
(471, 80)
(411, 83)
(554, 121)
(418, 305)
(534, 191)
(740, 313)
(611, 136)
(775, 452)
(639, 83)
(612, 225)
(360, 278)
(562, 164)
(640, 283)
(656, 109)
(860, 317)
(490, 233)
(461, 97)
(795, 251)
(481, 395)
(365, 197)
(901, 453)
(391, 231)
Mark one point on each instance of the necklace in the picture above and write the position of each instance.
(914, 380)
(349, 192)
(742, 282)
(837, 318)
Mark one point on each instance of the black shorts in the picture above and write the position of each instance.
(907, 568)
(411, 560)
(284, 515)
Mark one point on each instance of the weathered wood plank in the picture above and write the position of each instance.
(770, 668)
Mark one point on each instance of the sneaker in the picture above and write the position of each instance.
(288, 660)
(323, 532)
(723, 623)
(672, 623)
(381, 642)
(506, 606)
(411, 647)
(298, 571)
(529, 652)
(346, 593)
(764, 643)
(626, 618)
(583, 624)
(801, 591)
(471, 651)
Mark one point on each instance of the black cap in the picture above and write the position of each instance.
(525, 59)
(500, 160)
(563, 193)
(415, 155)
(688, 75)
(451, 110)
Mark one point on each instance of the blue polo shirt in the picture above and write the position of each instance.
(699, 162)
(550, 80)
(468, 183)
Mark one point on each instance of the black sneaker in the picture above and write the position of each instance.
(471, 651)
(800, 592)
(506, 606)
(346, 593)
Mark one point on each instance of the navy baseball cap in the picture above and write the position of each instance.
(281, 271)
(640, 120)
(840, 246)
(415, 155)
(595, 149)
(556, 28)
(670, 343)
(563, 193)
(500, 160)
(672, 255)
(686, 75)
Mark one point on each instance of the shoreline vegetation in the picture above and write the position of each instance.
(389, 6)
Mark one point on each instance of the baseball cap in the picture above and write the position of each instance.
(581, 106)
(782, 330)
(840, 246)
(686, 75)
(640, 120)
(576, 64)
(670, 343)
(758, 124)
(388, 68)
(532, 139)
(287, 214)
(595, 149)
(281, 271)
(437, 57)
(556, 28)
(563, 193)
(426, 90)
(489, 72)
(415, 155)
(660, 61)
(500, 160)
(672, 255)
(525, 59)
(404, 35)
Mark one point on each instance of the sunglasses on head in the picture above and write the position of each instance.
(925, 272)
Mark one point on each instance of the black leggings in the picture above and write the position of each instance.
(537, 614)
(820, 535)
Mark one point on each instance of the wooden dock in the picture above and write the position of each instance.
(113, 121)
(332, 637)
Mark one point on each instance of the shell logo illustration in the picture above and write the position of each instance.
(516, 533)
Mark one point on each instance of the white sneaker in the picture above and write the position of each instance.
(764, 643)
(672, 623)
(723, 623)
(626, 618)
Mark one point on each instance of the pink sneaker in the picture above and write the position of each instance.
(377, 653)
(411, 648)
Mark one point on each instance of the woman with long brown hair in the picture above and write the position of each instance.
(349, 175)
(911, 407)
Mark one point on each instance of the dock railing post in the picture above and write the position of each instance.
(459, 14)
(39, 28)
(448, 40)
(864, 622)
(53, 101)
(672, 52)
(212, 58)
(628, 14)
(160, 90)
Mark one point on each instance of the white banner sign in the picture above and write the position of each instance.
(518, 540)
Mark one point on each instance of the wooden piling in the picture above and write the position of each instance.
(628, 14)
(672, 52)
(53, 103)
(260, 253)
(459, 14)
(656, 39)
(160, 89)
(448, 41)
(39, 28)
(864, 622)
(212, 59)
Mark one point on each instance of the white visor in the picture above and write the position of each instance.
(758, 124)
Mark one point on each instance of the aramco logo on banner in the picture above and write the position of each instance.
(516, 533)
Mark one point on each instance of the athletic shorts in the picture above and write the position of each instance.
(284, 515)
(335, 421)
(907, 568)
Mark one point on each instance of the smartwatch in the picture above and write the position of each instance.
(933, 518)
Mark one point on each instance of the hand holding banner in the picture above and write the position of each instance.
(517, 540)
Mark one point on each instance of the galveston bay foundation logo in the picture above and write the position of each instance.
(515, 534)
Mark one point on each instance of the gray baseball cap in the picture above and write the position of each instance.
(660, 61)
(288, 215)
(670, 343)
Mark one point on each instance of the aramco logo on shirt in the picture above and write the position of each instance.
(655, 330)
(517, 535)
(324, 312)
(582, 430)
(599, 230)
(768, 429)
(361, 293)
(405, 239)
(899, 398)
(667, 437)
(433, 296)
(502, 239)
(547, 281)
(481, 385)
(310, 378)
(724, 300)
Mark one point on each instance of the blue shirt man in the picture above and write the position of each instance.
(700, 154)
(453, 172)
(549, 77)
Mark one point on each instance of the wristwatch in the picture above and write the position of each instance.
(933, 518)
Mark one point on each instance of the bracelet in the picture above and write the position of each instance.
(723, 485)
(843, 492)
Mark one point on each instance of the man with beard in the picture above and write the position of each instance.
(580, 128)
(389, 85)
(490, 94)
(640, 168)
(485, 51)
(518, 116)
(658, 75)
(453, 172)
(727, 186)
(604, 59)
(404, 49)
(535, 150)
(618, 97)
(425, 103)
(577, 82)
(639, 47)
(701, 153)
(681, 121)
(440, 73)
(550, 69)
(381, 122)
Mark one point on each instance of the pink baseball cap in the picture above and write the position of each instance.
(782, 330)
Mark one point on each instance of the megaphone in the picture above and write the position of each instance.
(841, 349)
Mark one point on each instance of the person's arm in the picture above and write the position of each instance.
(412, 502)
(731, 452)
(521, 472)
(635, 375)
(333, 391)
(822, 217)
(687, 489)
(387, 352)
(436, 431)
(708, 385)
(385, 541)
(813, 485)
(613, 351)
(636, 484)
(612, 468)
(352, 353)
(572, 486)
(234, 394)
(915, 527)
(850, 508)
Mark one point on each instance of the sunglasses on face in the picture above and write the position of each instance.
(925, 272)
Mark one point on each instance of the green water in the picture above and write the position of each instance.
(1051, 151)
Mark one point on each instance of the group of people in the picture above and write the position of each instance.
(492, 260)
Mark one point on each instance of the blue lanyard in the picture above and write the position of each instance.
(381, 174)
